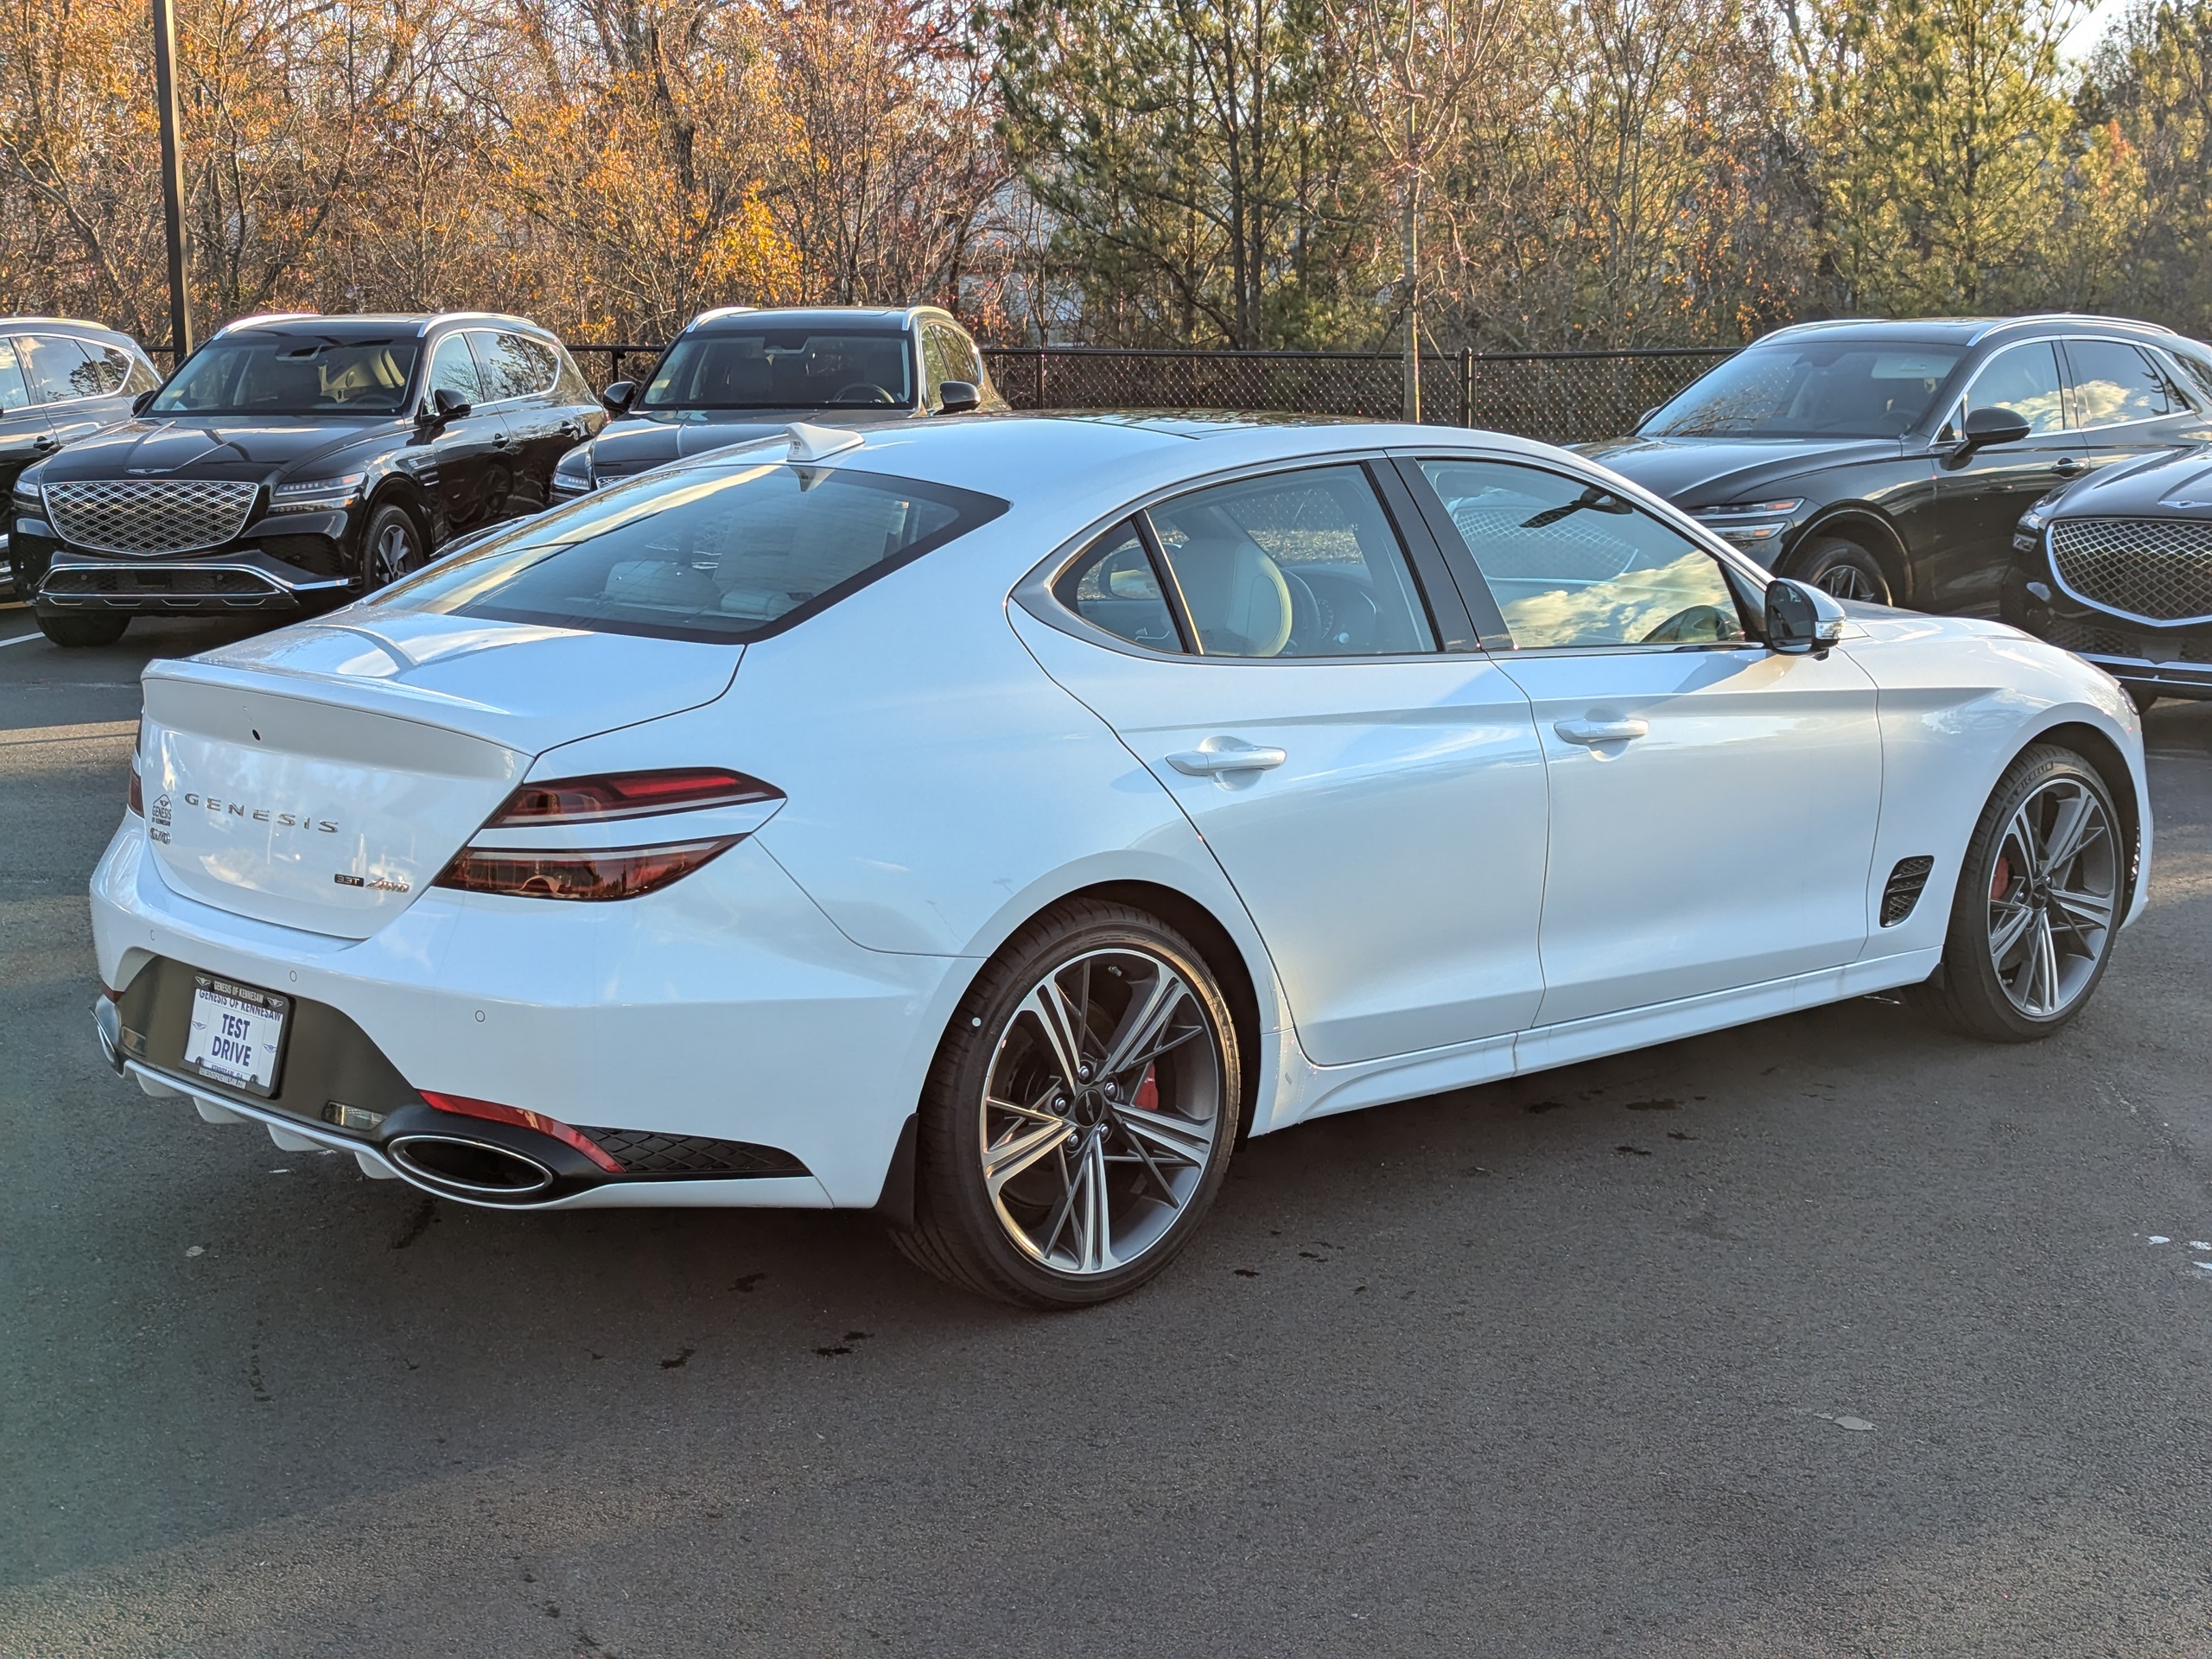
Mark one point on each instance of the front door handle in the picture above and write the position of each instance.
(46, 446)
(2067, 466)
(1590, 732)
(1230, 755)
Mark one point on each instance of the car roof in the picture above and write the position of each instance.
(415, 322)
(1119, 454)
(1962, 331)
(68, 325)
(806, 316)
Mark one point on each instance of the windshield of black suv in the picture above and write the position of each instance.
(721, 553)
(1812, 388)
(785, 368)
(292, 374)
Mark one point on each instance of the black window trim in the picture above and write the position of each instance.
(1034, 593)
(1747, 586)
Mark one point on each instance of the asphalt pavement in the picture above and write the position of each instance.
(1835, 1335)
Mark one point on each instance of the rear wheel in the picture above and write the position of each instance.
(2038, 900)
(1844, 569)
(83, 628)
(1081, 1114)
(391, 547)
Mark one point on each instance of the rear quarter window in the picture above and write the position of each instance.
(722, 554)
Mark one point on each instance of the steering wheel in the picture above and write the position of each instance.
(1700, 625)
(863, 391)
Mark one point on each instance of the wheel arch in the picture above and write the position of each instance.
(396, 489)
(2106, 759)
(1867, 526)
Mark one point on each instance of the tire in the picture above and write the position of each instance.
(1844, 569)
(1002, 1207)
(2031, 935)
(392, 546)
(83, 628)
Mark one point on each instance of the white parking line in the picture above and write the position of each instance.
(20, 639)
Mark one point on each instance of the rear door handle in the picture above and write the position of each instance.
(1230, 755)
(1590, 732)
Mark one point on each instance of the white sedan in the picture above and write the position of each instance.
(990, 822)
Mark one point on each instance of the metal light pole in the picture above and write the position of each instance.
(172, 174)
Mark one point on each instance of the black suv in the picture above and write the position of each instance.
(60, 381)
(294, 460)
(1891, 461)
(737, 374)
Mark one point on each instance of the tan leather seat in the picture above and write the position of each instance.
(1237, 596)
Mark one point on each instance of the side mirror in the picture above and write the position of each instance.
(1985, 427)
(958, 397)
(138, 404)
(617, 396)
(446, 404)
(1800, 617)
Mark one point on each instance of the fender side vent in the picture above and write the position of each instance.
(1903, 892)
(641, 1151)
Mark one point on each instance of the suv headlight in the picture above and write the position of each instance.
(1750, 523)
(317, 495)
(26, 494)
(573, 471)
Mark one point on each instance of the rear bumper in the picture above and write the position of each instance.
(725, 1009)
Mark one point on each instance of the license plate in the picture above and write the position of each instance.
(238, 1033)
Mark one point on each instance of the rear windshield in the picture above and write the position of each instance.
(291, 374)
(719, 553)
(784, 368)
(1827, 388)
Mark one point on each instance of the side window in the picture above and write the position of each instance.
(2024, 380)
(2196, 368)
(1294, 564)
(571, 386)
(56, 367)
(14, 391)
(108, 368)
(453, 369)
(142, 377)
(513, 366)
(2114, 383)
(966, 362)
(1572, 565)
(1113, 586)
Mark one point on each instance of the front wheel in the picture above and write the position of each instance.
(391, 547)
(1844, 569)
(84, 628)
(2038, 903)
(1080, 1113)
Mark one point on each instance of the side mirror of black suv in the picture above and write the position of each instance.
(138, 404)
(1985, 427)
(617, 396)
(446, 404)
(957, 397)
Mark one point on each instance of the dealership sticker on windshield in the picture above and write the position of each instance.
(238, 1033)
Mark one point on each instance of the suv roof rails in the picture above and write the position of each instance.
(265, 316)
(69, 322)
(719, 311)
(2071, 316)
(438, 317)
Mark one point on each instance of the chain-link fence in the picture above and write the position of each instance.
(1561, 396)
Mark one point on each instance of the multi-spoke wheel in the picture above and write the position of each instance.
(391, 547)
(1844, 569)
(2039, 900)
(1081, 1114)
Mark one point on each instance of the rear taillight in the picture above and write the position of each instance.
(614, 873)
(492, 1112)
(628, 795)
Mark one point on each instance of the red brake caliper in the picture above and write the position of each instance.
(1147, 1097)
(2002, 879)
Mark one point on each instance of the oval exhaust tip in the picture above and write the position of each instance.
(472, 1168)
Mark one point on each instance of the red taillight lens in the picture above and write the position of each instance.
(615, 873)
(137, 802)
(628, 795)
(493, 1112)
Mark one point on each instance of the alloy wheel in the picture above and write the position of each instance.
(1102, 1112)
(1848, 581)
(392, 554)
(2052, 895)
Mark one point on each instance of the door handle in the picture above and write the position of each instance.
(47, 445)
(1590, 732)
(2067, 466)
(1231, 756)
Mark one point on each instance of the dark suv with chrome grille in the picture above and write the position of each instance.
(2118, 568)
(296, 460)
